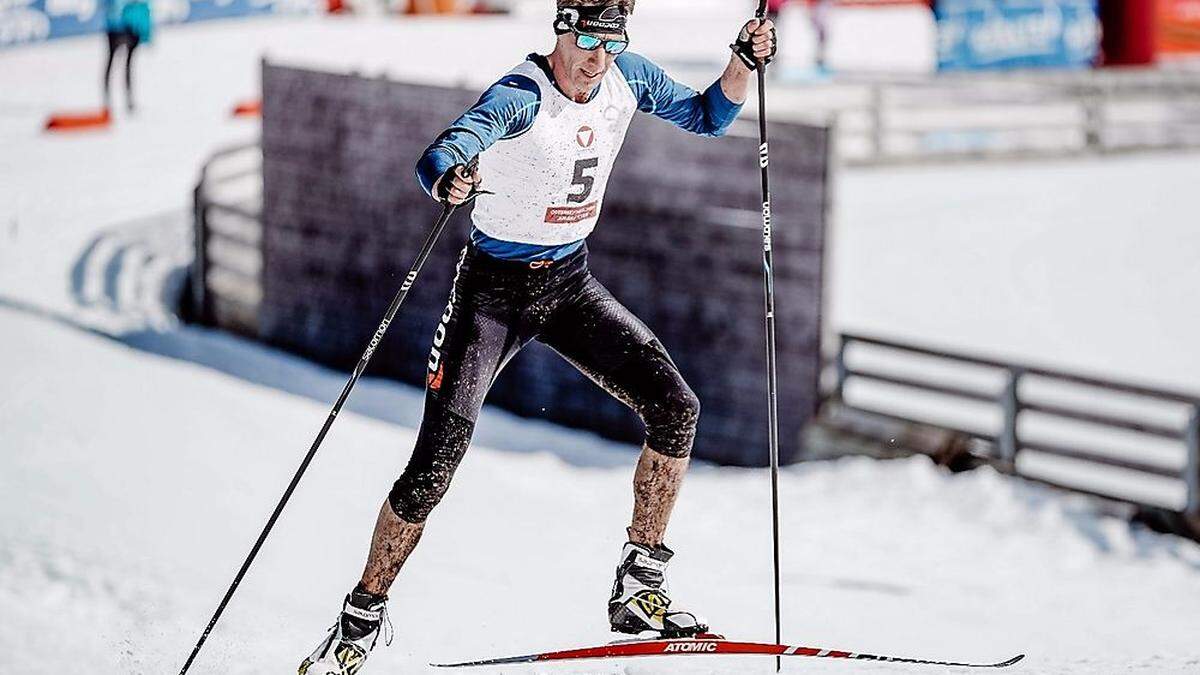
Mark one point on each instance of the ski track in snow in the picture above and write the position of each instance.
(139, 458)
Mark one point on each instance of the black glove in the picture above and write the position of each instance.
(744, 48)
(469, 172)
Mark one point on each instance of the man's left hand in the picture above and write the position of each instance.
(756, 44)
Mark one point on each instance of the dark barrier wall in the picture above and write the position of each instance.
(679, 242)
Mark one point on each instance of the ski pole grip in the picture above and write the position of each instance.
(762, 10)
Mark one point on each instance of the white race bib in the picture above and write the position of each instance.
(550, 180)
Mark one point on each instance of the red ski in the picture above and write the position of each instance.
(709, 644)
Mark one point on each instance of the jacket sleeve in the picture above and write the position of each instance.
(506, 110)
(709, 113)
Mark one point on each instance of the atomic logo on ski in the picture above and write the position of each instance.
(690, 647)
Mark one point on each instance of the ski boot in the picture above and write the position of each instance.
(639, 601)
(344, 650)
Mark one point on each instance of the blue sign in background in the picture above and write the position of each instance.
(27, 21)
(998, 34)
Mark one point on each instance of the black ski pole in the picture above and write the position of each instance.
(447, 211)
(769, 292)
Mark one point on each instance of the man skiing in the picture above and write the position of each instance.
(546, 135)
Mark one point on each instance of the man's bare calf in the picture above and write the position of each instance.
(656, 484)
(393, 541)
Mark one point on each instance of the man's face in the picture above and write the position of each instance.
(581, 69)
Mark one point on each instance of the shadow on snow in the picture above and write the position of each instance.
(127, 284)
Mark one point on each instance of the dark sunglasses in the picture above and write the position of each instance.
(588, 42)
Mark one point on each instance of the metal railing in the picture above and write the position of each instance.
(227, 208)
(1023, 114)
(1165, 416)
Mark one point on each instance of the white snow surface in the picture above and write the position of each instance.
(139, 458)
(140, 471)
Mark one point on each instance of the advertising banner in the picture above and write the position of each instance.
(28, 21)
(1179, 27)
(1000, 34)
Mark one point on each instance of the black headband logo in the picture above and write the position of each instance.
(612, 13)
(591, 19)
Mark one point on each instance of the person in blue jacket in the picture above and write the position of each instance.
(127, 24)
(546, 136)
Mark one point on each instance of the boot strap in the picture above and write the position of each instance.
(643, 560)
(364, 614)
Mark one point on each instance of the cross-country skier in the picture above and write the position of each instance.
(546, 135)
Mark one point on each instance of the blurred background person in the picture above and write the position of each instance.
(127, 24)
(818, 14)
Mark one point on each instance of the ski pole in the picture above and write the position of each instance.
(769, 294)
(447, 211)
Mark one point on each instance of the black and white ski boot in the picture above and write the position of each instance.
(639, 601)
(351, 639)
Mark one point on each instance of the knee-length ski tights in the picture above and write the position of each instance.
(497, 307)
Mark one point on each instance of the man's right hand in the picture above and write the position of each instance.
(457, 185)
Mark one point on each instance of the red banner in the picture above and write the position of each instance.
(1179, 26)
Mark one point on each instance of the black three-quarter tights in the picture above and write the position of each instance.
(498, 306)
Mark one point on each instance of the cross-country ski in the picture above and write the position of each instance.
(714, 646)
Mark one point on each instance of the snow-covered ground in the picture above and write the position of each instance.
(139, 458)
(135, 474)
